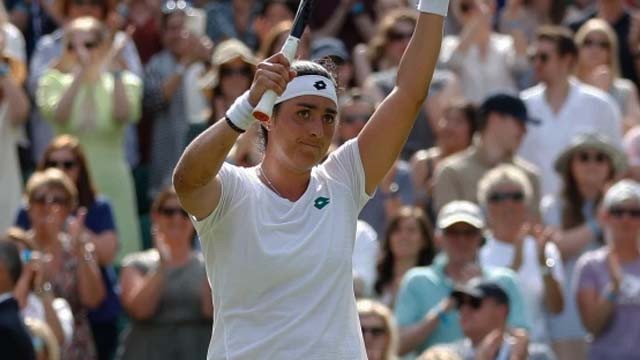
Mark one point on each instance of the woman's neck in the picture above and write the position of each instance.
(589, 192)
(282, 180)
(505, 235)
(45, 240)
(180, 252)
(626, 250)
(402, 265)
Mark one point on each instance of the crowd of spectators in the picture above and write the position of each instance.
(507, 228)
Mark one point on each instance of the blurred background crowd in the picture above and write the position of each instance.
(508, 226)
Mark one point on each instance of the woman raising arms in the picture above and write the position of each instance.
(278, 237)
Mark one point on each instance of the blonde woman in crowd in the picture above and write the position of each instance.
(88, 94)
(379, 330)
(72, 271)
(599, 65)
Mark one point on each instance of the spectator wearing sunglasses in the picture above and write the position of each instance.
(564, 106)
(424, 310)
(608, 279)
(72, 270)
(485, 61)
(599, 65)
(513, 241)
(66, 154)
(379, 330)
(502, 122)
(484, 308)
(165, 289)
(586, 167)
(171, 91)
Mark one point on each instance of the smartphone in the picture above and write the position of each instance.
(25, 255)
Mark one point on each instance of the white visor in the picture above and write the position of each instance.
(309, 85)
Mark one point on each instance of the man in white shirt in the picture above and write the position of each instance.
(564, 106)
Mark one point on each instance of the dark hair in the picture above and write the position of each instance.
(562, 38)
(573, 201)
(106, 6)
(84, 185)
(385, 27)
(302, 68)
(470, 112)
(355, 94)
(292, 5)
(162, 197)
(386, 261)
(10, 258)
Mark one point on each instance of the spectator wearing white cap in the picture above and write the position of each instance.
(608, 279)
(424, 309)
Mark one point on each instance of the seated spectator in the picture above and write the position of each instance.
(484, 307)
(334, 50)
(632, 150)
(233, 20)
(271, 13)
(72, 269)
(165, 289)
(44, 342)
(14, 108)
(485, 61)
(501, 126)
(34, 294)
(65, 153)
(170, 86)
(587, 166)
(607, 288)
(424, 309)
(379, 330)
(557, 101)
(514, 242)
(454, 132)
(355, 110)
(95, 105)
(15, 341)
(407, 243)
(599, 66)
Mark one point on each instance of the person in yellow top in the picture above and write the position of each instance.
(87, 93)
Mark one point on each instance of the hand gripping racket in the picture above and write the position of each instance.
(264, 109)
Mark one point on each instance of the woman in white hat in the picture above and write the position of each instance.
(587, 165)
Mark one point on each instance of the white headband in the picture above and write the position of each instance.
(309, 85)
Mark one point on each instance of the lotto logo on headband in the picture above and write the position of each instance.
(309, 85)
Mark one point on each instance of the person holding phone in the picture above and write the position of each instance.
(278, 237)
(424, 309)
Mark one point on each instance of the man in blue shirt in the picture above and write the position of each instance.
(424, 307)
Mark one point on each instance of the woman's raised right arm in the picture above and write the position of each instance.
(195, 176)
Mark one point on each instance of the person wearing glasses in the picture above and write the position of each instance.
(587, 166)
(71, 270)
(424, 309)
(485, 61)
(599, 65)
(564, 106)
(608, 279)
(501, 124)
(90, 95)
(278, 238)
(66, 154)
(484, 307)
(169, 90)
(165, 290)
(379, 330)
(505, 194)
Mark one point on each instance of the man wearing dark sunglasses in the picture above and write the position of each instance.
(483, 307)
(424, 310)
(564, 106)
(502, 123)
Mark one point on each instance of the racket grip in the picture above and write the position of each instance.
(264, 109)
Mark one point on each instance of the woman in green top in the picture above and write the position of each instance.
(88, 94)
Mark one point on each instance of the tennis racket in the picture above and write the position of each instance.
(263, 111)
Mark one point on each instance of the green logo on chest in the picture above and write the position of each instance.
(321, 202)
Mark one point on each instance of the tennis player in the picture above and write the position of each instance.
(278, 237)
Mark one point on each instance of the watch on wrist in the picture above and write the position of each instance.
(547, 267)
